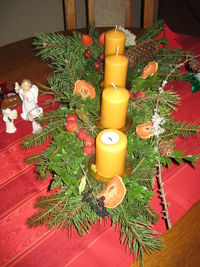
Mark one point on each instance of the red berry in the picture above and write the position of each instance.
(71, 126)
(89, 141)
(101, 57)
(71, 117)
(87, 53)
(86, 40)
(140, 96)
(97, 66)
(102, 38)
(82, 134)
(88, 150)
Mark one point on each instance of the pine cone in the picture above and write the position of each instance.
(165, 148)
(193, 65)
(142, 52)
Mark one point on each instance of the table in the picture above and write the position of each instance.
(19, 187)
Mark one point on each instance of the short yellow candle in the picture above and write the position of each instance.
(110, 153)
(113, 39)
(116, 67)
(114, 107)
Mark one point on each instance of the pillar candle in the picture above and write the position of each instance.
(113, 39)
(110, 153)
(116, 67)
(114, 107)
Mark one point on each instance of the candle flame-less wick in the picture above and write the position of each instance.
(113, 85)
(110, 138)
(117, 50)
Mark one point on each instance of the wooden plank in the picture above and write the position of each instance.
(90, 12)
(128, 13)
(70, 14)
(149, 9)
(181, 243)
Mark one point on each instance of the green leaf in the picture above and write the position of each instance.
(82, 185)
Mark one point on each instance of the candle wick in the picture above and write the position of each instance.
(117, 50)
(110, 138)
(114, 85)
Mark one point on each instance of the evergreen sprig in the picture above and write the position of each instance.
(44, 135)
(152, 32)
(135, 232)
(181, 129)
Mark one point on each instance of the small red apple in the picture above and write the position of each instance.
(71, 117)
(71, 126)
(89, 141)
(82, 134)
(88, 150)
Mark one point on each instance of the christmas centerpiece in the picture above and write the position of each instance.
(112, 132)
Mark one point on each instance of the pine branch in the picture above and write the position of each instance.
(44, 135)
(168, 102)
(152, 32)
(53, 116)
(63, 212)
(181, 129)
(135, 232)
(33, 159)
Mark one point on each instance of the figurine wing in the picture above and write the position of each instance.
(34, 91)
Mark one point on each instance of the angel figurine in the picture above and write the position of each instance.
(9, 116)
(32, 115)
(28, 94)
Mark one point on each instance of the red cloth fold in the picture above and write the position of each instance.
(171, 37)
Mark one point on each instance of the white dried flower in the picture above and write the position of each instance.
(161, 91)
(130, 37)
(157, 121)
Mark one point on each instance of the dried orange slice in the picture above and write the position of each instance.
(84, 89)
(150, 69)
(113, 192)
(144, 131)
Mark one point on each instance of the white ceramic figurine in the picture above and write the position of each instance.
(32, 115)
(9, 116)
(28, 94)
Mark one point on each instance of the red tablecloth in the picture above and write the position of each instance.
(19, 188)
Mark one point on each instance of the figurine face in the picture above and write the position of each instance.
(26, 86)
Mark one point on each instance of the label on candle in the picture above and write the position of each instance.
(110, 138)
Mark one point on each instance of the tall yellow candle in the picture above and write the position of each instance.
(113, 39)
(110, 153)
(116, 67)
(114, 107)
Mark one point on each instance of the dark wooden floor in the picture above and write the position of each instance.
(182, 244)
